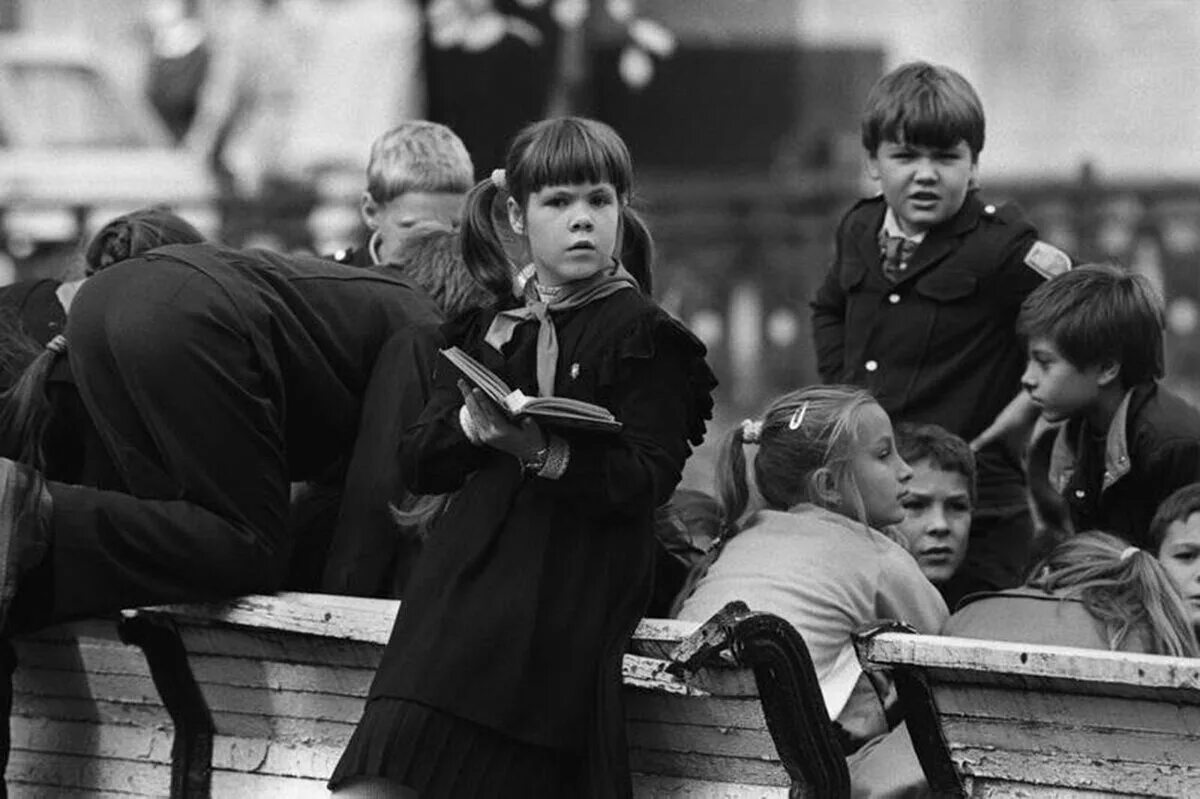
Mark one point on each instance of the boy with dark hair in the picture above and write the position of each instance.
(417, 177)
(921, 301)
(1124, 443)
(941, 494)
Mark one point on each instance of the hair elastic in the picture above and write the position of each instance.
(798, 417)
(1128, 552)
(751, 431)
(58, 344)
(499, 179)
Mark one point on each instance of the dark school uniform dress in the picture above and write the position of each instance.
(520, 607)
(213, 379)
(940, 345)
(1115, 480)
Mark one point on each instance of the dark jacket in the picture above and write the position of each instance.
(1152, 448)
(544, 580)
(940, 345)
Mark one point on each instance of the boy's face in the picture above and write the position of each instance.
(1179, 555)
(1059, 388)
(924, 186)
(937, 520)
(401, 217)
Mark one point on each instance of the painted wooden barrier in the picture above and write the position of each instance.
(257, 698)
(991, 719)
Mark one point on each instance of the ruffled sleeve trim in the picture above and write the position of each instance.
(642, 340)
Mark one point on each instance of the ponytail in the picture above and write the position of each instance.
(482, 250)
(1123, 587)
(25, 409)
(733, 489)
(637, 249)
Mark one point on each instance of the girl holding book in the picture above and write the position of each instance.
(503, 673)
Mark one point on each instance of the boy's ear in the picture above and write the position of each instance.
(873, 166)
(1108, 373)
(369, 210)
(516, 217)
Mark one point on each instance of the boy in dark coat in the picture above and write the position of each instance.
(921, 302)
(1121, 443)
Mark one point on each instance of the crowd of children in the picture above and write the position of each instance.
(204, 422)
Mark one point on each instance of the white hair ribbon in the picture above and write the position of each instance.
(751, 431)
(1128, 552)
(499, 179)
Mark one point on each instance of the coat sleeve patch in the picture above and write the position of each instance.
(1047, 260)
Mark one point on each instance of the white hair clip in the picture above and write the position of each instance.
(1128, 552)
(751, 431)
(499, 179)
(798, 417)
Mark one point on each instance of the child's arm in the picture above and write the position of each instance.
(662, 400)
(905, 594)
(829, 320)
(1013, 424)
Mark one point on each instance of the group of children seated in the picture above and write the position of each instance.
(989, 443)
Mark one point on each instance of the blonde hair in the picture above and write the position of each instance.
(803, 434)
(1124, 588)
(418, 156)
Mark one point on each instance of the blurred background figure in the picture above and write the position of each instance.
(178, 62)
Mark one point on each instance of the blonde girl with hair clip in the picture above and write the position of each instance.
(503, 674)
(828, 477)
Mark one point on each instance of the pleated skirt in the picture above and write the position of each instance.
(441, 756)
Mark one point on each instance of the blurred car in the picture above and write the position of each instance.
(77, 148)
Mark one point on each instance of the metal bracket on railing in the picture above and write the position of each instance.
(191, 749)
(794, 707)
(920, 712)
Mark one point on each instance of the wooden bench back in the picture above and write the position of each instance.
(1002, 719)
(280, 682)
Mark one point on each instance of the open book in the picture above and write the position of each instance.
(561, 411)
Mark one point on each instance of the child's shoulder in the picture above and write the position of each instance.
(1158, 418)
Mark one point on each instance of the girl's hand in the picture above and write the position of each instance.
(495, 429)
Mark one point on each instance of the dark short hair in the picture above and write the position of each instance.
(129, 235)
(934, 443)
(1176, 508)
(1096, 314)
(924, 104)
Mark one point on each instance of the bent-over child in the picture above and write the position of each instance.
(829, 476)
(921, 302)
(503, 673)
(1119, 443)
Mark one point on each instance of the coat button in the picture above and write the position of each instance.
(989, 209)
(871, 366)
(1080, 493)
(893, 298)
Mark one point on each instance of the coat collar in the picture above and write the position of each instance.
(937, 244)
(1063, 457)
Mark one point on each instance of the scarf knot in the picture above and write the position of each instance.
(575, 295)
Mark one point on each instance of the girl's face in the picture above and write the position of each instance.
(1180, 556)
(571, 229)
(879, 473)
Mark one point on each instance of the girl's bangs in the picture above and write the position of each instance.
(572, 153)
